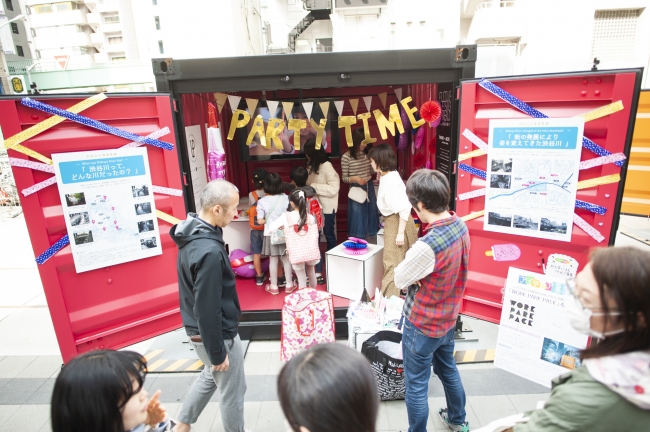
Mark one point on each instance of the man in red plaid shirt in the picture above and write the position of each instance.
(434, 271)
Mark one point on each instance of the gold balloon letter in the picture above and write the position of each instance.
(320, 130)
(258, 128)
(393, 119)
(410, 111)
(366, 130)
(295, 125)
(273, 129)
(347, 122)
(239, 119)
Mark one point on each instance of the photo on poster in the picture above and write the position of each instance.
(553, 225)
(148, 243)
(140, 191)
(83, 237)
(501, 165)
(560, 354)
(77, 219)
(75, 199)
(500, 181)
(143, 208)
(499, 219)
(525, 222)
(145, 226)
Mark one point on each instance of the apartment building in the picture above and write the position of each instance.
(13, 36)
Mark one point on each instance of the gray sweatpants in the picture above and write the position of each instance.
(231, 384)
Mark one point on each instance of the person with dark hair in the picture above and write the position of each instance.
(257, 230)
(363, 218)
(210, 307)
(610, 391)
(435, 272)
(103, 391)
(399, 228)
(269, 209)
(297, 219)
(325, 180)
(329, 388)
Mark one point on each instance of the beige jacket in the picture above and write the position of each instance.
(327, 184)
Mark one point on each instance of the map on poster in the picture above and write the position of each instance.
(536, 340)
(108, 206)
(532, 176)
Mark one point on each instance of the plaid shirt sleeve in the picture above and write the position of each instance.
(419, 262)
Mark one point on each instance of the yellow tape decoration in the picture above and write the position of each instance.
(14, 142)
(474, 215)
(469, 155)
(614, 178)
(602, 111)
(167, 217)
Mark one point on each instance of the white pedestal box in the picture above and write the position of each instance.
(349, 275)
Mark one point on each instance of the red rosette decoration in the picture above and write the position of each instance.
(419, 160)
(431, 112)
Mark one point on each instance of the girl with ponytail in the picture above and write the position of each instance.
(298, 219)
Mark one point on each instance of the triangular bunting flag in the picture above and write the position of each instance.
(234, 102)
(308, 106)
(325, 107)
(287, 106)
(221, 100)
(368, 101)
(339, 107)
(398, 93)
(252, 104)
(273, 107)
(354, 103)
(382, 98)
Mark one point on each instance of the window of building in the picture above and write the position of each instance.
(19, 51)
(42, 9)
(160, 47)
(10, 5)
(14, 28)
(614, 35)
(33, 32)
(155, 2)
(115, 39)
(112, 19)
(117, 59)
(66, 6)
(157, 20)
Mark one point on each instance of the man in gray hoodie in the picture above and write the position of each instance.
(210, 307)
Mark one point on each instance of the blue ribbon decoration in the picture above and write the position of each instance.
(28, 102)
(527, 109)
(63, 242)
(591, 207)
(474, 171)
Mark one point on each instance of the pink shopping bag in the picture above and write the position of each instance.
(307, 319)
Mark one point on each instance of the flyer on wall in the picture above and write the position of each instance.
(108, 206)
(532, 175)
(198, 170)
(536, 340)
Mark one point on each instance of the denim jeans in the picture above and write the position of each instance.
(363, 218)
(329, 230)
(420, 352)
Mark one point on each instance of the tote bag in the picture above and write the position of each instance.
(302, 246)
(307, 319)
(388, 371)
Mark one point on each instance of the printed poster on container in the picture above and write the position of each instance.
(108, 206)
(532, 175)
(536, 340)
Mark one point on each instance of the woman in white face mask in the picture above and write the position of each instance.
(611, 390)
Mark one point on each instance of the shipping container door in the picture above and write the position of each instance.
(119, 305)
(557, 96)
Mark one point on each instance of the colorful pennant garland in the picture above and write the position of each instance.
(273, 107)
(339, 107)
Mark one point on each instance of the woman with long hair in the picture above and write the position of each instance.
(363, 217)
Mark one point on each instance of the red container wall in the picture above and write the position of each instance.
(556, 96)
(120, 305)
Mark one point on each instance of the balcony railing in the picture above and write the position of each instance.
(20, 67)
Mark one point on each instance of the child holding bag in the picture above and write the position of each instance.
(269, 209)
(301, 234)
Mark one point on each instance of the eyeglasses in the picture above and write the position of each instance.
(571, 286)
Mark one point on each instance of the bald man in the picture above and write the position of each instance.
(210, 307)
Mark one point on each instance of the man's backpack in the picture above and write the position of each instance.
(316, 210)
(252, 214)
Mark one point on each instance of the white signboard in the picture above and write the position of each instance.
(196, 158)
(532, 174)
(536, 340)
(108, 206)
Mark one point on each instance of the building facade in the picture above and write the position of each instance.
(14, 43)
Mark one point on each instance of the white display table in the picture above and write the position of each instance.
(348, 275)
(237, 235)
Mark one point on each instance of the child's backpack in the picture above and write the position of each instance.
(252, 214)
(316, 210)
